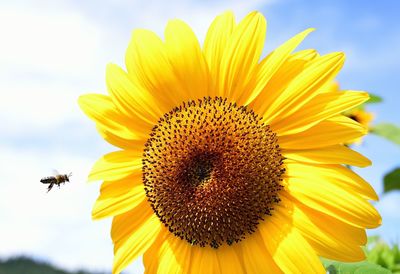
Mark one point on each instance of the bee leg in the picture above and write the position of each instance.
(50, 187)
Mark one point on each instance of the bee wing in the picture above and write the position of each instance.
(55, 172)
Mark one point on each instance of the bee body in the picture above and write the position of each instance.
(55, 180)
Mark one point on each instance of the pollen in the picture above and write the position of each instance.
(212, 171)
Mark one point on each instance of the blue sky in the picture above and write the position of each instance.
(53, 52)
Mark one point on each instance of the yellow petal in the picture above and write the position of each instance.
(272, 64)
(329, 237)
(204, 260)
(123, 225)
(133, 233)
(333, 131)
(148, 66)
(322, 107)
(116, 165)
(215, 45)
(110, 189)
(336, 154)
(256, 257)
(333, 200)
(291, 252)
(229, 261)
(151, 257)
(114, 206)
(168, 254)
(132, 100)
(305, 85)
(242, 54)
(331, 174)
(289, 70)
(102, 110)
(187, 59)
(121, 142)
(117, 197)
(330, 87)
(176, 256)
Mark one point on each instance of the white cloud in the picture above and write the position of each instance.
(30, 107)
(47, 58)
(47, 43)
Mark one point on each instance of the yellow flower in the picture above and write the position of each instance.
(362, 116)
(358, 114)
(229, 164)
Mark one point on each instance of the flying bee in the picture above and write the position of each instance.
(57, 179)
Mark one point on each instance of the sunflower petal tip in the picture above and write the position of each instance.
(337, 57)
(110, 65)
(337, 54)
(227, 12)
(116, 269)
(111, 70)
(309, 30)
(173, 22)
(256, 16)
(379, 221)
(135, 32)
(82, 99)
(361, 257)
(95, 215)
(366, 95)
(254, 13)
(118, 266)
(84, 102)
(97, 210)
(365, 162)
(79, 100)
(93, 177)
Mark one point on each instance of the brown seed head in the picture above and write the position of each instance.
(212, 171)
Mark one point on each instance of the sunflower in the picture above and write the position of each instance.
(358, 113)
(229, 164)
(362, 116)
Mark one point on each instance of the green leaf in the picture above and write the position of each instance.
(381, 253)
(389, 131)
(373, 99)
(333, 267)
(391, 181)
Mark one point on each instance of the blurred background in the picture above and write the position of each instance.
(53, 51)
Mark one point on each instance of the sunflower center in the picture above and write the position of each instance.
(212, 171)
(355, 118)
(198, 169)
